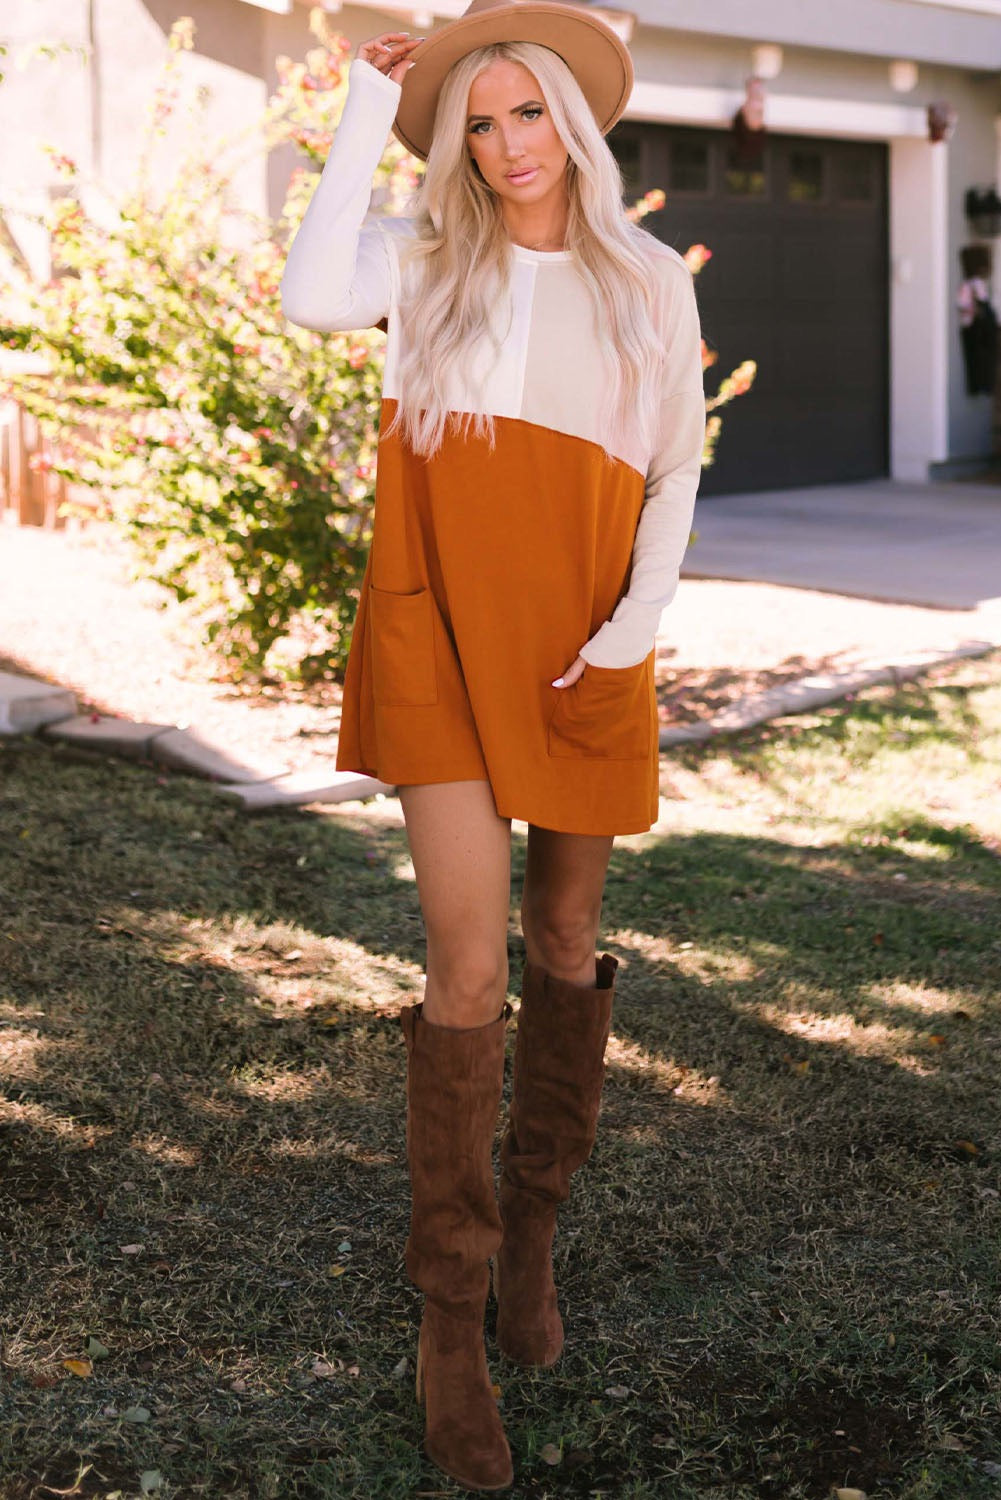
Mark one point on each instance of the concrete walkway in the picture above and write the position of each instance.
(937, 545)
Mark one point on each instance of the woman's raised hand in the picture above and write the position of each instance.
(390, 53)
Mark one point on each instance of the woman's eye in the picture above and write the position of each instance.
(476, 129)
(533, 112)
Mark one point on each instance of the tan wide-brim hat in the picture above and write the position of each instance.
(599, 61)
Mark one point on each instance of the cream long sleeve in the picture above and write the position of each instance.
(343, 272)
(672, 481)
(338, 274)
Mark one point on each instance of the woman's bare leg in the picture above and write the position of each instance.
(461, 851)
(561, 904)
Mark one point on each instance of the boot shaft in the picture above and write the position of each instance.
(454, 1085)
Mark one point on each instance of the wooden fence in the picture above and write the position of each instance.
(31, 494)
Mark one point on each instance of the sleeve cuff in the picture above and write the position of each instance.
(626, 639)
(363, 74)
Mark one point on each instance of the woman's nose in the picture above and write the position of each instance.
(513, 147)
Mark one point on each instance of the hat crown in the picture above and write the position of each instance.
(478, 7)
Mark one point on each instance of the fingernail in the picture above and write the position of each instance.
(558, 682)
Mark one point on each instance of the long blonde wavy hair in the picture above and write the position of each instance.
(460, 239)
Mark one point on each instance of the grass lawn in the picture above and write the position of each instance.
(781, 1269)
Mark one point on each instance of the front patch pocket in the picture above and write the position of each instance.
(608, 714)
(404, 673)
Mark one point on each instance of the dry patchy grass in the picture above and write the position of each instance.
(781, 1268)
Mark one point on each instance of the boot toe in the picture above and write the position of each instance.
(484, 1468)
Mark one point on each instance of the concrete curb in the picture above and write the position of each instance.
(816, 691)
(27, 705)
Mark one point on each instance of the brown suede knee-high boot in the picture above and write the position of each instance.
(454, 1082)
(559, 1070)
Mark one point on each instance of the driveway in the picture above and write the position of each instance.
(936, 545)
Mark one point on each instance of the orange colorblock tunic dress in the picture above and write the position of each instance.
(493, 566)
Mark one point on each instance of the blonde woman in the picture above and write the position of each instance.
(540, 448)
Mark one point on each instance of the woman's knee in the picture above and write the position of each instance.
(466, 984)
(562, 938)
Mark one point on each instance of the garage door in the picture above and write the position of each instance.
(798, 282)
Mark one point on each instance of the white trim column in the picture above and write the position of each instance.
(920, 309)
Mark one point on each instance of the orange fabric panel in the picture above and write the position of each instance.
(489, 570)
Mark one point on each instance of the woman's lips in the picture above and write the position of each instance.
(524, 176)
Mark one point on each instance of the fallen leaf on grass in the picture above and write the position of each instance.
(550, 1454)
(936, 1039)
(968, 1147)
(618, 1392)
(323, 1369)
(136, 1414)
(849, 1494)
(400, 1370)
(150, 1480)
(79, 1367)
(952, 1442)
(239, 1385)
(96, 1349)
(796, 1065)
(130, 1249)
(336, 1270)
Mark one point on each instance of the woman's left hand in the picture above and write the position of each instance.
(571, 674)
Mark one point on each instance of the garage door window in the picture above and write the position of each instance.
(806, 177)
(856, 177)
(689, 167)
(743, 181)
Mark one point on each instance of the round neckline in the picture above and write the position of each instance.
(524, 253)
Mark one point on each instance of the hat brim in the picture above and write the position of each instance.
(599, 61)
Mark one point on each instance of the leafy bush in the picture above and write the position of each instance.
(237, 450)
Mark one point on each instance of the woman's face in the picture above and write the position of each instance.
(511, 136)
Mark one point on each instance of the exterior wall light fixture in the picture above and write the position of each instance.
(983, 209)
(942, 120)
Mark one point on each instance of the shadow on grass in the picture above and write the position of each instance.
(687, 694)
(770, 1267)
(931, 712)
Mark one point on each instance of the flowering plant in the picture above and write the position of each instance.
(237, 450)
